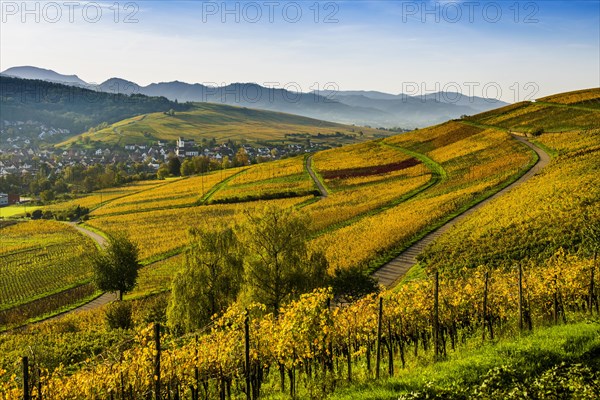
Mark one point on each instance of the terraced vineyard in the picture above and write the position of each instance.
(172, 193)
(38, 258)
(162, 233)
(283, 178)
(469, 163)
(98, 198)
(384, 195)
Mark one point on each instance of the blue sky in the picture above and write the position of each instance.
(511, 50)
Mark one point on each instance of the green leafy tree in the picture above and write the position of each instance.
(279, 265)
(187, 167)
(591, 233)
(163, 171)
(209, 280)
(352, 283)
(116, 267)
(174, 165)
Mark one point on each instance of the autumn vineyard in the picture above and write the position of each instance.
(521, 266)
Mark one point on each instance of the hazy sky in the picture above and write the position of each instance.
(514, 49)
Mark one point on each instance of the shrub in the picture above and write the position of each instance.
(119, 315)
(154, 309)
(352, 283)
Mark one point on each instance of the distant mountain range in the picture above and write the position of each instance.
(365, 108)
(72, 109)
(44, 75)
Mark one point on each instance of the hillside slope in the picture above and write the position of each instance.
(222, 122)
(522, 262)
(70, 107)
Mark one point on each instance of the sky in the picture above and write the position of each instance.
(508, 50)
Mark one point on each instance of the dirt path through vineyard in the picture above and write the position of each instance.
(104, 298)
(389, 274)
(312, 174)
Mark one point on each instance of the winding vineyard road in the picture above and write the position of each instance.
(391, 272)
(312, 174)
(99, 301)
(96, 237)
(104, 298)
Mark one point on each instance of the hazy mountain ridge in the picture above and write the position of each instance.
(28, 72)
(365, 108)
(71, 107)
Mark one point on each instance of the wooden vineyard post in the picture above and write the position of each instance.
(26, 378)
(485, 296)
(520, 298)
(591, 293)
(329, 341)
(390, 351)
(157, 362)
(555, 302)
(196, 391)
(379, 321)
(402, 343)
(39, 383)
(247, 355)
(436, 321)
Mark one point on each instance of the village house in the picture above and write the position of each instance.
(8, 199)
(186, 148)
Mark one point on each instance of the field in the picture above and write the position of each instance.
(38, 258)
(207, 121)
(586, 97)
(283, 178)
(477, 317)
(471, 162)
(529, 117)
(365, 163)
(438, 176)
(100, 197)
(162, 233)
(173, 193)
(555, 225)
(16, 210)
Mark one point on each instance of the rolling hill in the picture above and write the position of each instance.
(71, 107)
(223, 122)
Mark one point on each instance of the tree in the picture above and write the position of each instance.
(226, 163)
(47, 195)
(591, 232)
(163, 171)
(187, 167)
(209, 280)
(241, 158)
(37, 214)
(116, 267)
(279, 265)
(201, 164)
(351, 284)
(174, 165)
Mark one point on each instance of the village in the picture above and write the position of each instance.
(25, 153)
